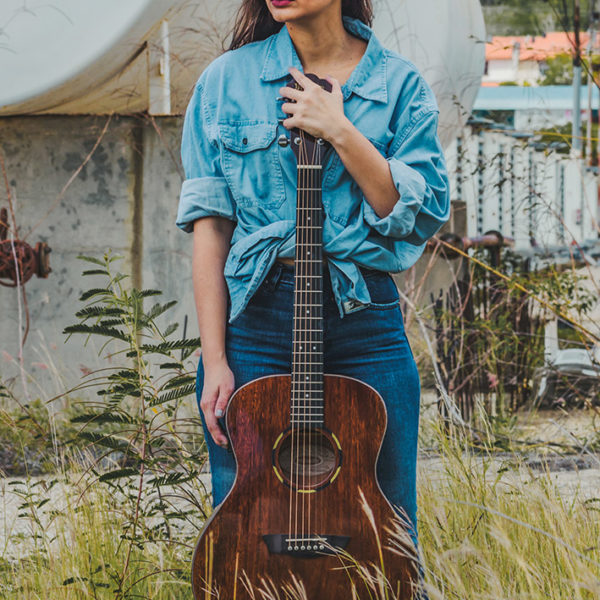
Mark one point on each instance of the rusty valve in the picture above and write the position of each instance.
(29, 261)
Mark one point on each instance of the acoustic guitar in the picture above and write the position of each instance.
(305, 509)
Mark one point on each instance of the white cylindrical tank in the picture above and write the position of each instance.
(86, 56)
(52, 53)
(445, 39)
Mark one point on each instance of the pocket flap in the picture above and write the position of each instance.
(247, 137)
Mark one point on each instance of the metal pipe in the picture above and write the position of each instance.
(576, 134)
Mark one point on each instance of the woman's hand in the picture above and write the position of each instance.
(218, 386)
(316, 111)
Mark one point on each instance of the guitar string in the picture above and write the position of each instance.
(300, 334)
(309, 298)
(319, 338)
(319, 298)
(305, 335)
(312, 297)
(319, 301)
(293, 459)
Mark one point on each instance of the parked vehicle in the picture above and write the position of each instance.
(570, 378)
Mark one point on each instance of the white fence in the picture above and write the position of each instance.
(524, 193)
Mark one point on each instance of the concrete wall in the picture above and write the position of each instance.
(124, 198)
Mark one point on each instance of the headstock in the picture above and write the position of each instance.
(308, 150)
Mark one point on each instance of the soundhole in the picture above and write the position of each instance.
(307, 458)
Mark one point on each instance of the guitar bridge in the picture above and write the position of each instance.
(308, 546)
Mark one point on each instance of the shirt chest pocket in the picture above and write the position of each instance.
(251, 164)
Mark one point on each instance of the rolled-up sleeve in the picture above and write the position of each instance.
(204, 191)
(418, 169)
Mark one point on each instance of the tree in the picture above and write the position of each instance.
(558, 70)
(533, 17)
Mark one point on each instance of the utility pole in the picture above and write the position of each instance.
(576, 139)
(590, 84)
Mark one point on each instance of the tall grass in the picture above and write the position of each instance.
(487, 531)
(494, 530)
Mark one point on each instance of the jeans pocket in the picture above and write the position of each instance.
(383, 291)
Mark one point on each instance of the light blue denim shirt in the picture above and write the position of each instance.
(235, 168)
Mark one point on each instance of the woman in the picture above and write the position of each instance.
(385, 192)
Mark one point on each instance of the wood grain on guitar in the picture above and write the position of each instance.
(305, 509)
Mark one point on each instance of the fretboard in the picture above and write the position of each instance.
(307, 352)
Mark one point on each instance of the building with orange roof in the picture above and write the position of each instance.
(522, 59)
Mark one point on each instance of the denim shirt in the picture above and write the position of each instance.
(235, 168)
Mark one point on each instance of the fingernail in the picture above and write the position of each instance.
(218, 412)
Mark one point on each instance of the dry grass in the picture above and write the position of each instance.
(485, 533)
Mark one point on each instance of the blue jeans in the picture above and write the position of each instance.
(369, 344)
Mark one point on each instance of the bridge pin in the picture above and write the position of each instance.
(321, 547)
(290, 548)
(302, 548)
(309, 547)
(296, 548)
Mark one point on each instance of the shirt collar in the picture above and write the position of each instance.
(368, 79)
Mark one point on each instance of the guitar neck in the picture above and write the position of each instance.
(307, 350)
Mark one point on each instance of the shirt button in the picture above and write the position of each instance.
(245, 141)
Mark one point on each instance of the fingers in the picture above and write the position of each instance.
(208, 405)
(225, 392)
(302, 79)
(289, 92)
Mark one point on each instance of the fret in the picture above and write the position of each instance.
(312, 167)
(309, 189)
(305, 304)
(308, 330)
(309, 351)
(315, 404)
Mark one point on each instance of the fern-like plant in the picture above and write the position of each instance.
(135, 425)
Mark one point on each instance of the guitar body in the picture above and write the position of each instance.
(278, 506)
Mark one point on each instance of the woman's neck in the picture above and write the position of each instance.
(324, 46)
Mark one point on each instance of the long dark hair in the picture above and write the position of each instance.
(254, 21)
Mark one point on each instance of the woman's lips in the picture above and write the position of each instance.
(279, 3)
